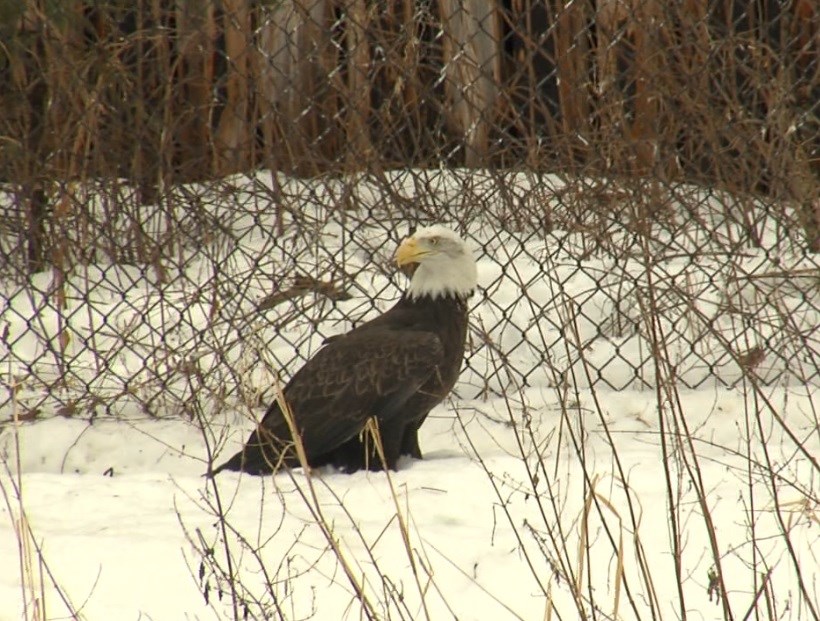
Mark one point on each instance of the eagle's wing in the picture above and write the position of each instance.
(353, 378)
(371, 373)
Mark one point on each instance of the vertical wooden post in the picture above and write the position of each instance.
(232, 140)
(194, 76)
(472, 64)
(572, 61)
(358, 104)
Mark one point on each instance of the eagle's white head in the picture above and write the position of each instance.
(440, 262)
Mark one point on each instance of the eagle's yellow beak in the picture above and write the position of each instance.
(410, 252)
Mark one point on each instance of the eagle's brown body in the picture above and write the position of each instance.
(394, 368)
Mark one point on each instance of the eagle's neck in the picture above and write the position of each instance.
(451, 279)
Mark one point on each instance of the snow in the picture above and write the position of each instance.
(553, 463)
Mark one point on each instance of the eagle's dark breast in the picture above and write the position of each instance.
(395, 368)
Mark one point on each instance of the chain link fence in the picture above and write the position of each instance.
(195, 194)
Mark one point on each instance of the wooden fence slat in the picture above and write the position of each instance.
(292, 39)
(168, 91)
(472, 65)
(196, 35)
(232, 139)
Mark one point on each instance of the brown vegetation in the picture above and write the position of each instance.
(161, 91)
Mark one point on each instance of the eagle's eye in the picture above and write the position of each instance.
(434, 241)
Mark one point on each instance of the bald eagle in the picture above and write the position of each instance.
(394, 368)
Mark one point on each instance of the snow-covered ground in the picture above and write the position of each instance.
(540, 481)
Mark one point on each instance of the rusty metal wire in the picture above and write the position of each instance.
(194, 195)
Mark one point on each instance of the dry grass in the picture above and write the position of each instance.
(669, 153)
(36, 577)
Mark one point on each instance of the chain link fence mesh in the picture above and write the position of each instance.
(195, 194)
